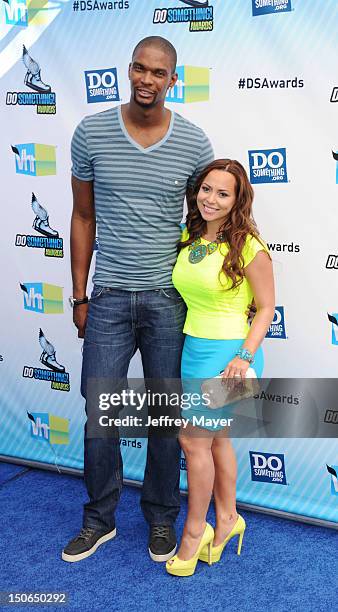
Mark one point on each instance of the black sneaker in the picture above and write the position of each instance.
(86, 543)
(162, 542)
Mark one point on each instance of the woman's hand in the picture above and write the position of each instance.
(235, 368)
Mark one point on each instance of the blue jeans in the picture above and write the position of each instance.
(120, 322)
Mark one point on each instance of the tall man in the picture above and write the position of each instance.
(131, 167)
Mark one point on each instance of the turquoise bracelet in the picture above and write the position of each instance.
(245, 354)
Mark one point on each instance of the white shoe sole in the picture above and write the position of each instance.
(87, 553)
(162, 558)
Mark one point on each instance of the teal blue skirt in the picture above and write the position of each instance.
(203, 359)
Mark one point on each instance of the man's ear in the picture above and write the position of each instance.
(173, 80)
(129, 69)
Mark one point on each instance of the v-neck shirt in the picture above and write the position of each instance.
(136, 144)
(139, 194)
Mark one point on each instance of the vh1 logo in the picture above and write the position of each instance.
(42, 297)
(21, 12)
(35, 159)
(192, 85)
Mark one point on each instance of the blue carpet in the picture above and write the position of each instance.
(9, 471)
(284, 565)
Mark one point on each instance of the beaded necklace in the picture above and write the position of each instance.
(199, 251)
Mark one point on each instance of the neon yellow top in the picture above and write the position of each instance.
(213, 311)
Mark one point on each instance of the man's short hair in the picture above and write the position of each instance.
(160, 43)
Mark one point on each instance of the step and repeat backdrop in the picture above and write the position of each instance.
(260, 77)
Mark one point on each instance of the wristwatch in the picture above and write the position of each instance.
(76, 302)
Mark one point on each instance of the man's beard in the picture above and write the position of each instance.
(145, 104)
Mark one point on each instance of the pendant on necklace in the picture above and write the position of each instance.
(199, 251)
(212, 247)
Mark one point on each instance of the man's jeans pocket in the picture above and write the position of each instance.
(171, 293)
(96, 292)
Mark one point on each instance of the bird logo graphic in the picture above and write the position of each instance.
(332, 469)
(33, 74)
(41, 221)
(48, 355)
(333, 318)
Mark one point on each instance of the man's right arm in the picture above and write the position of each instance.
(82, 236)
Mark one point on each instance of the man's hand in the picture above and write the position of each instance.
(80, 314)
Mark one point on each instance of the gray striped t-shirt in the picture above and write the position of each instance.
(139, 195)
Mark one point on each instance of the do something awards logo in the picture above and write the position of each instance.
(192, 85)
(268, 166)
(43, 98)
(50, 240)
(266, 467)
(332, 262)
(55, 372)
(102, 85)
(264, 7)
(277, 327)
(198, 13)
(183, 462)
(331, 416)
(334, 95)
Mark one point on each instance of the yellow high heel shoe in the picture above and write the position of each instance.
(178, 567)
(216, 551)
